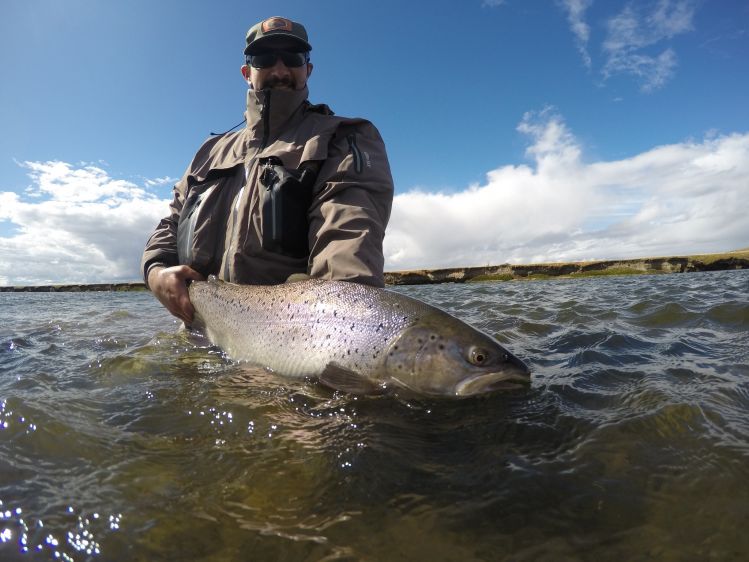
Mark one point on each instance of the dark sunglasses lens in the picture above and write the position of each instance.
(264, 60)
(293, 60)
(267, 60)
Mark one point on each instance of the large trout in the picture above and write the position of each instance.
(353, 338)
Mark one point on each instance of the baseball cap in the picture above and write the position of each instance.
(263, 33)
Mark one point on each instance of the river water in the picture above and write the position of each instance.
(122, 439)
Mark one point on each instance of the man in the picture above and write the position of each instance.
(298, 190)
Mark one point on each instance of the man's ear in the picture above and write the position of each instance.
(246, 72)
(309, 69)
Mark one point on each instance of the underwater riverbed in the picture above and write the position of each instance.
(123, 439)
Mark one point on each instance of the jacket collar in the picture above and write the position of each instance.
(269, 112)
(224, 152)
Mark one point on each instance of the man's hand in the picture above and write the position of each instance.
(169, 285)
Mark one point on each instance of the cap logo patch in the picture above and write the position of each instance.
(276, 24)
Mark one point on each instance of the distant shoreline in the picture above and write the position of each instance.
(506, 272)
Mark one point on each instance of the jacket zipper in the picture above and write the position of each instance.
(232, 224)
(266, 119)
(191, 231)
(238, 198)
(356, 152)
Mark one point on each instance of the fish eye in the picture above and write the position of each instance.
(478, 356)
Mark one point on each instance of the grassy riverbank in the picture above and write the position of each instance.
(644, 266)
(507, 272)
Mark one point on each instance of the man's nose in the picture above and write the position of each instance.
(280, 69)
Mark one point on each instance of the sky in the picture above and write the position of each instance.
(518, 131)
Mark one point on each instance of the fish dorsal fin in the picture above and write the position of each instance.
(346, 380)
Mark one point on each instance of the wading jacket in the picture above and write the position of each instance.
(216, 219)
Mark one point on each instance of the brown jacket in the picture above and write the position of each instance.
(223, 234)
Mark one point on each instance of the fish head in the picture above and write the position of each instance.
(443, 356)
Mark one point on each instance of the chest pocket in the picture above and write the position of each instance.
(285, 198)
(202, 224)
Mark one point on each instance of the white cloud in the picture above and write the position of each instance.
(635, 36)
(682, 198)
(632, 37)
(157, 182)
(580, 29)
(75, 224)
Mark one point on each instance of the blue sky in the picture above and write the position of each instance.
(517, 130)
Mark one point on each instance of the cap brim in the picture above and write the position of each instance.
(285, 40)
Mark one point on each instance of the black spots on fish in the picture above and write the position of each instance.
(436, 339)
(399, 366)
(380, 327)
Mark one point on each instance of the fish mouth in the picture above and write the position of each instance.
(490, 382)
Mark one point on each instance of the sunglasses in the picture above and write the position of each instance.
(268, 60)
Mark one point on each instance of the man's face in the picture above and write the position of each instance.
(279, 75)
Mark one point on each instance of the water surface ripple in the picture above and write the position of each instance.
(121, 438)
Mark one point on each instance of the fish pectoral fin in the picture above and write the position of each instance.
(297, 277)
(346, 380)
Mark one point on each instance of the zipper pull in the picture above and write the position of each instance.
(355, 152)
(268, 175)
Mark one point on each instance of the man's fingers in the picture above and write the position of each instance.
(195, 276)
(187, 312)
(185, 272)
(170, 287)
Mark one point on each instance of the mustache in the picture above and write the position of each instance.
(275, 82)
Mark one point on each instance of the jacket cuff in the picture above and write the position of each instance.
(149, 267)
